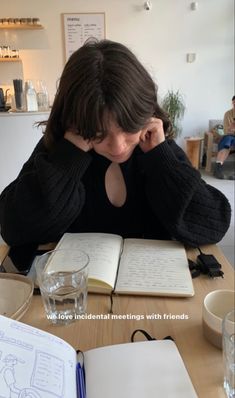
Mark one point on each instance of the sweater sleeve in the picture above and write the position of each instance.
(192, 211)
(46, 196)
(228, 120)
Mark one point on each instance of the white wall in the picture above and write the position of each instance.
(18, 137)
(160, 38)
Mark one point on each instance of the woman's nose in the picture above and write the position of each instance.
(117, 144)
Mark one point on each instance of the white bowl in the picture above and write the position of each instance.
(216, 305)
(15, 295)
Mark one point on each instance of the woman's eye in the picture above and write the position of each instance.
(99, 136)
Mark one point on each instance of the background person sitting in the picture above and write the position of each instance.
(227, 143)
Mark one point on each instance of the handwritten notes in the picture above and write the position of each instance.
(140, 266)
(103, 251)
(154, 266)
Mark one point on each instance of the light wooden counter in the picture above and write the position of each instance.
(203, 361)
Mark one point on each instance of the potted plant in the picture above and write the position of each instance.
(173, 104)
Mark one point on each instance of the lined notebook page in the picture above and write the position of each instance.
(103, 251)
(154, 267)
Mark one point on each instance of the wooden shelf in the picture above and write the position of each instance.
(10, 59)
(22, 26)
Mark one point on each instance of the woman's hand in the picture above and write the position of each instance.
(78, 141)
(152, 135)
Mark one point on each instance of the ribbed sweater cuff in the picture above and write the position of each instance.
(69, 157)
(170, 168)
(161, 156)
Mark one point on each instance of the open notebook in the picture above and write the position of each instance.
(44, 366)
(130, 266)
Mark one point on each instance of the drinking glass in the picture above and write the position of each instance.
(62, 278)
(228, 329)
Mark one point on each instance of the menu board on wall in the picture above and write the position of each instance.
(79, 27)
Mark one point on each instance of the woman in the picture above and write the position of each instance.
(107, 163)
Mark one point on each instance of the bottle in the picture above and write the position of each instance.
(30, 97)
(42, 96)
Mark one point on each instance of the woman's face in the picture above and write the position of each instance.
(118, 145)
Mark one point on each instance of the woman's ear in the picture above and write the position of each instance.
(143, 134)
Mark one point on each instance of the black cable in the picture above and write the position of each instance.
(198, 248)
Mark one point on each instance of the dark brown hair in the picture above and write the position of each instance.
(103, 78)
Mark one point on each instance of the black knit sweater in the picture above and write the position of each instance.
(63, 190)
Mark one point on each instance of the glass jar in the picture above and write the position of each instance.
(36, 21)
(14, 53)
(5, 51)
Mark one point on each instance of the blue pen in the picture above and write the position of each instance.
(81, 391)
(83, 385)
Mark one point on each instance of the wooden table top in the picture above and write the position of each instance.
(180, 318)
